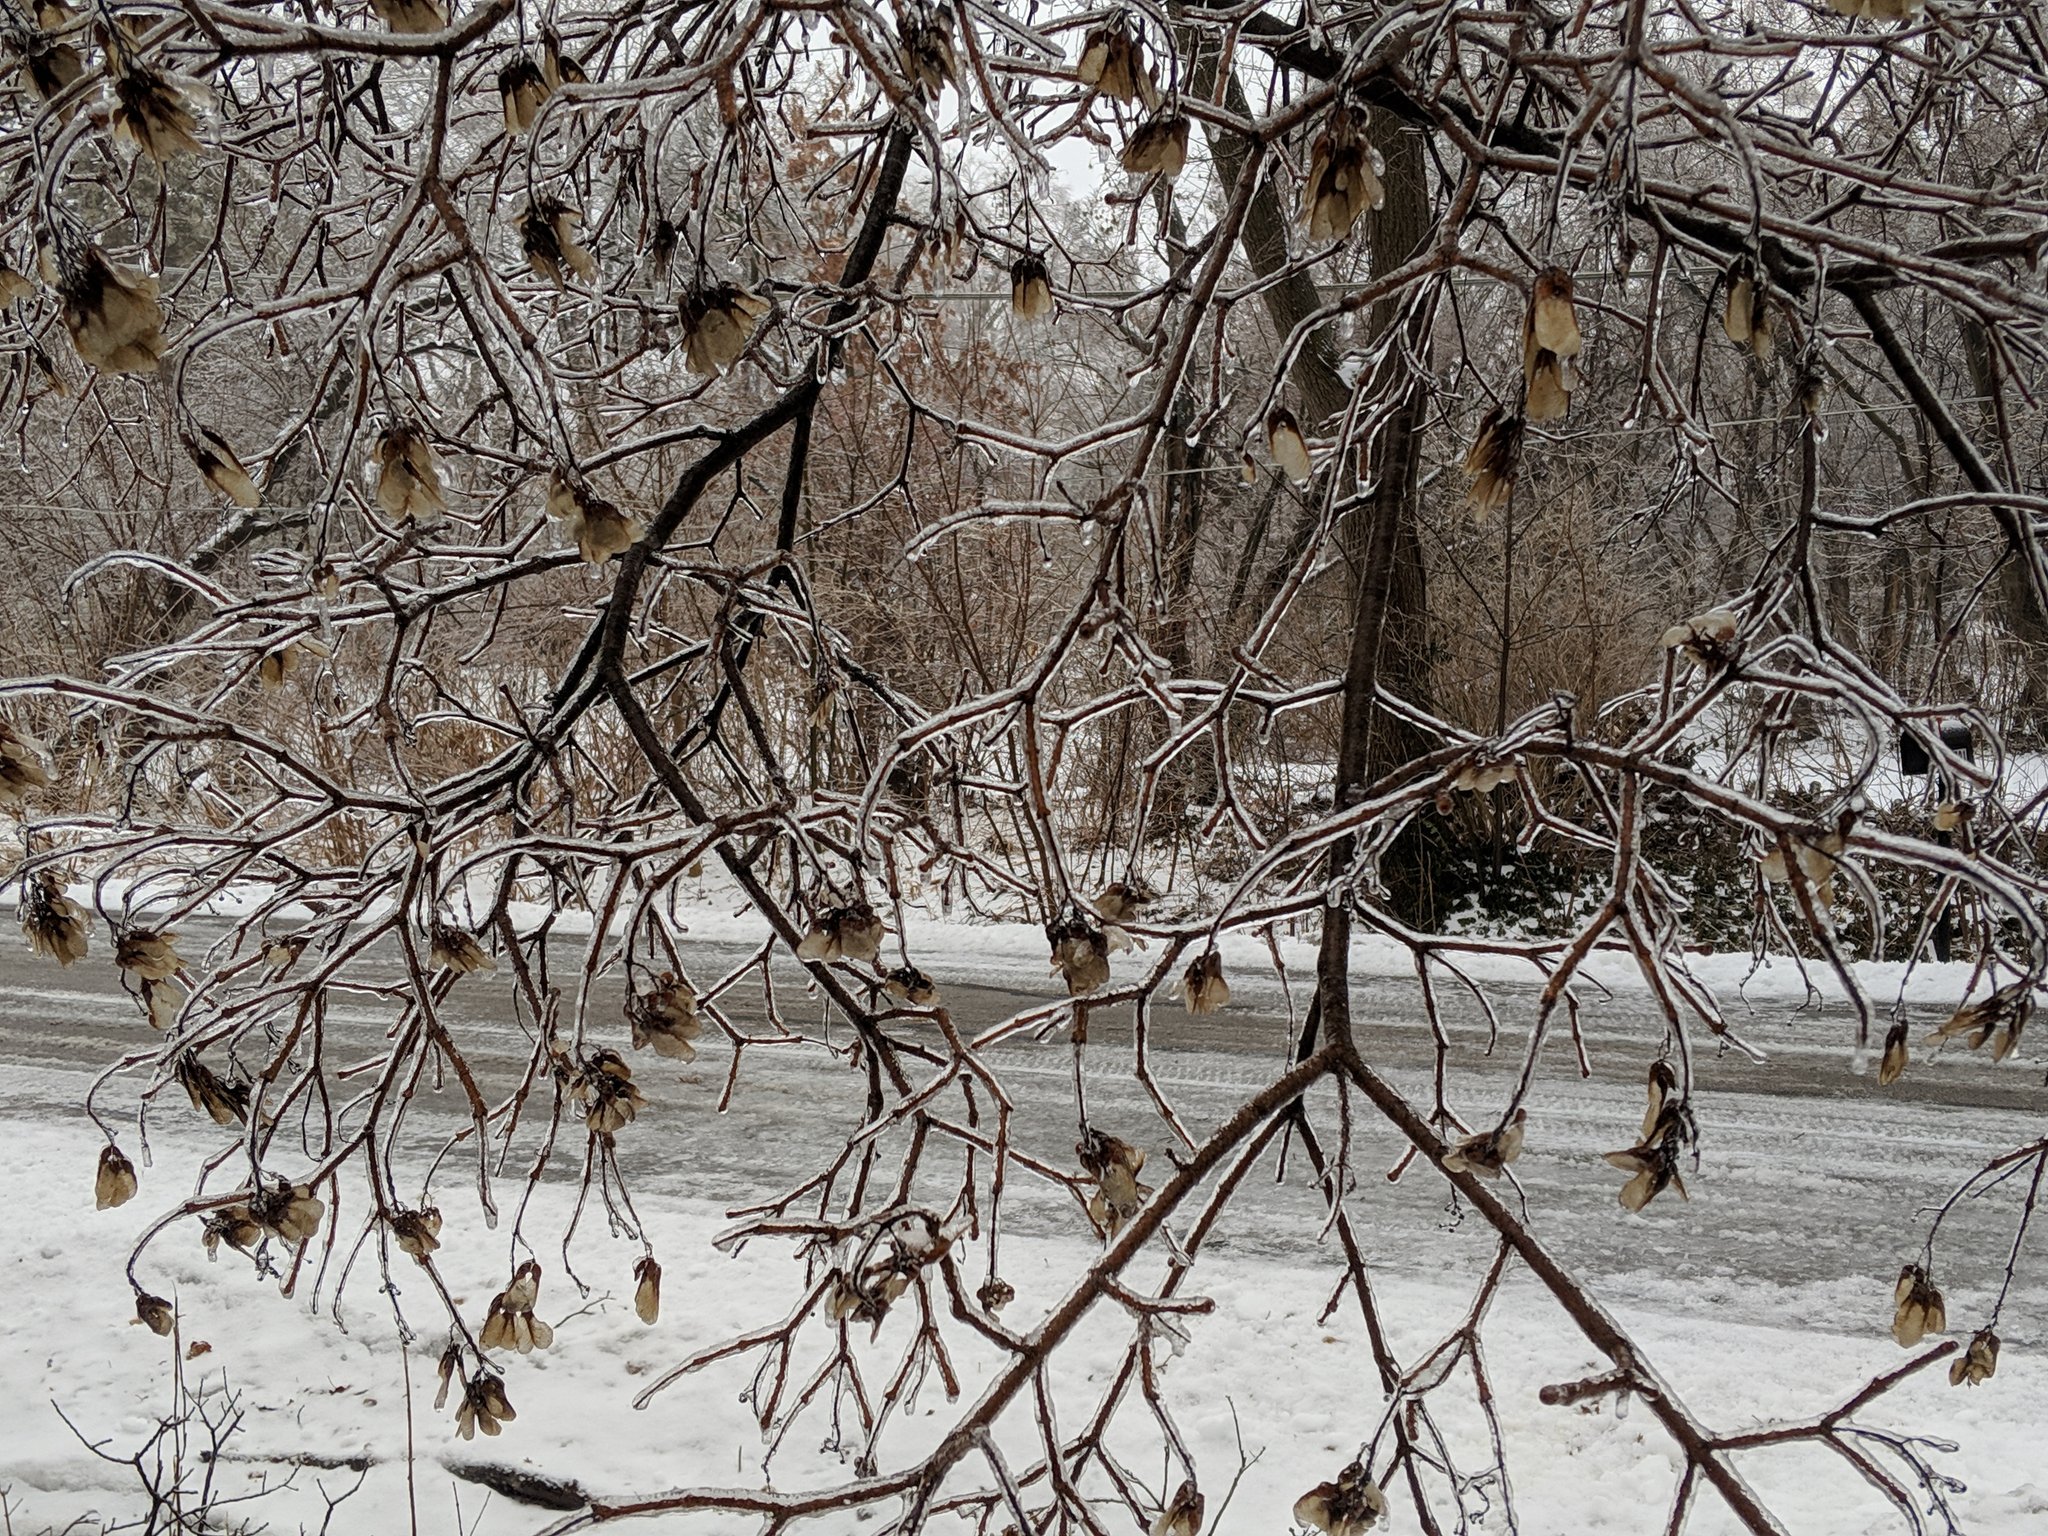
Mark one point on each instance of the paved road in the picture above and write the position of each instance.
(1813, 1184)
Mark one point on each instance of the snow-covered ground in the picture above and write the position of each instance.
(1298, 1390)
(1767, 1296)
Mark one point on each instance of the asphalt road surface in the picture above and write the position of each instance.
(1813, 1185)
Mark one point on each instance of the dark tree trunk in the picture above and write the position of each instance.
(1390, 646)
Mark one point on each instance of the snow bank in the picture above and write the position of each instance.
(1301, 1393)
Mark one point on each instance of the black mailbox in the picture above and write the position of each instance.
(1955, 735)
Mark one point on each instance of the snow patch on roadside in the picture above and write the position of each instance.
(1302, 1393)
(1015, 954)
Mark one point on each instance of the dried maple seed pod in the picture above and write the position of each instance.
(1160, 144)
(279, 663)
(1080, 952)
(161, 1001)
(867, 1297)
(951, 236)
(54, 924)
(222, 470)
(850, 932)
(1030, 288)
(858, 932)
(547, 233)
(233, 1225)
(289, 1212)
(1113, 1164)
(606, 1091)
(114, 1184)
(925, 50)
(1183, 1513)
(411, 16)
(147, 954)
(1978, 1362)
(408, 481)
(1550, 343)
(1548, 382)
(1738, 309)
(556, 67)
(995, 1294)
(22, 769)
(1113, 62)
(1814, 857)
(1652, 1164)
(484, 1406)
(1998, 1018)
(1553, 322)
(661, 247)
(921, 1237)
(1663, 1085)
(454, 950)
(1285, 444)
(1124, 901)
(1918, 1309)
(1343, 176)
(225, 1103)
(647, 1290)
(842, 1302)
(523, 90)
(907, 984)
(448, 1371)
(52, 380)
(1492, 460)
(1489, 1152)
(112, 314)
(1746, 319)
(1203, 988)
(281, 954)
(600, 529)
(156, 1313)
(664, 1016)
(1120, 903)
(153, 111)
(53, 66)
(1350, 1506)
(510, 1323)
(1650, 1171)
(1892, 1066)
(718, 323)
(416, 1232)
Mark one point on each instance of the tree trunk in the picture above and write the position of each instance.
(2018, 604)
(1390, 604)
